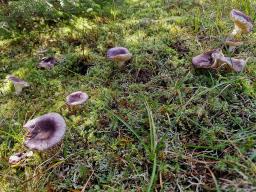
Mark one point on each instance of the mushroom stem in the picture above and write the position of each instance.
(73, 109)
(121, 64)
(235, 31)
(231, 48)
(18, 88)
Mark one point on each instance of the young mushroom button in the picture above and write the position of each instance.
(45, 131)
(243, 23)
(119, 54)
(18, 83)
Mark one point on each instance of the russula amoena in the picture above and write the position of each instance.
(119, 55)
(243, 23)
(45, 131)
(47, 62)
(19, 84)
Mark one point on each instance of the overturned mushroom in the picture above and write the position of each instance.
(47, 62)
(76, 99)
(236, 65)
(243, 23)
(119, 54)
(45, 131)
(215, 59)
(209, 59)
(18, 83)
(17, 157)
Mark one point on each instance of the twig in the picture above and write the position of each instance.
(87, 182)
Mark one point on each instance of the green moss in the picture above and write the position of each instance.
(206, 119)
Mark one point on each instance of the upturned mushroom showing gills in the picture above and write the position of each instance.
(119, 54)
(47, 63)
(209, 59)
(18, 83)
(45, 131)
(215, 59)
(243, 23)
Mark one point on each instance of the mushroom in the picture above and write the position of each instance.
(76, 99)
(236, 65)
(17, 157)
(45, 131)
(18, 83)
(47, 62)
(209, 59)
(232, 43)
(119, 54)
(243, 23)
(215, 59)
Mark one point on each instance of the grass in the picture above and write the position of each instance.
(156, 125)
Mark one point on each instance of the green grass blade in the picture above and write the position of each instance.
(153, 175)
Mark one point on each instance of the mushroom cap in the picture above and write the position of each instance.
(120, 54)
(76, 98)
(15, 158)
(243, 22)
(233, 42)
(45, 131)
(47, 62)
(207, 59)
(17, 81)
(236, 65)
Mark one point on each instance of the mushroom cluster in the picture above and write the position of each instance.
(215, 59)
(46, 131)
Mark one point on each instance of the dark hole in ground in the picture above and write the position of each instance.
(74, 42)
(142, 75)
(81, 66)
(180, 47)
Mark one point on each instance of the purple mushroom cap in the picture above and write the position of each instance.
(45, 131)
(76, 98)
(120, 54)
(19, 84)
(215, 59)
(47, 62)
(243, 23)
(236, 65)
(207, 59)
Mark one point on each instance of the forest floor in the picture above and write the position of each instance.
(155, 125)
